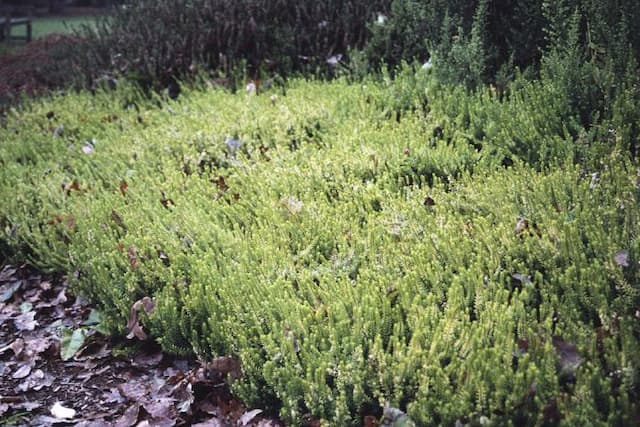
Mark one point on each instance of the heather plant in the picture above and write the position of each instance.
(156, 42)
(460, 256)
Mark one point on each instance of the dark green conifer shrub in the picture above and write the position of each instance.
(155, 42)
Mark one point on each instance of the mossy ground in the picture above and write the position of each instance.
(366, 243)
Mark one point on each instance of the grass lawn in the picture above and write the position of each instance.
(59, 24)
(43, 26)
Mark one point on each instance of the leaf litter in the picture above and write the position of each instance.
(58, 368)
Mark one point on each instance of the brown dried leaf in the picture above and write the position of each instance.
(130, 416)
(8, 273)
(25, 321)
(429, 202)
(247, 417)
(522, 225)
(225, 365)
(185, 398)
(147, 360)
(23, 371)
(133, 324)
(370, 421)
(133, 258)
(622, 258)
(115, 217)
(36, 381)
(147, 304)
(167, 202)
(161, 407)
(68, 187)
(213, 422)
(568, 354)
(16, 346)
(8, 290)
(220, 182)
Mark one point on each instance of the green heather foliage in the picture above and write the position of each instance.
(388, 241)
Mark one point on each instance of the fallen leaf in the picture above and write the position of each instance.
(25, 321)
(71, 342)
(33, 347)
(157, 422)
(160, 407)
(7, 273)
(62, 413)
(8, 290)
(23, 371)
(521, 225)
(247, 417)
(123, 187)
(93, 351)
(220, 182)
(185, 398)
(95, 321)
(26, 307)
(225, 365)
(147, 360)
(16, 346)
(133, 258)
(213, 422)
(114, 396)
(569, 359)
(36, 381)
(393, 417)
(293, 205)
(370, 421)
(115, 217)
(521, 278)
(68, 187)
(146, 303)
(130, 416)
(622, 258)
(166, 202)
(136, 390)
(94, 423)
(233, 145)
(58, 131)
(164, 258)
(133, 325)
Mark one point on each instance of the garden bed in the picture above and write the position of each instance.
(351, 246)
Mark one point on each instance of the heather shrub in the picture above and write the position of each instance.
(155, 42)
(346, 255)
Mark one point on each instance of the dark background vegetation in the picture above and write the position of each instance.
(589, 49)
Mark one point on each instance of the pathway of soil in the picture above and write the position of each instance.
(100, 382)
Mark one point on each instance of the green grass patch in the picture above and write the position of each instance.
(44, 26)
(60, 24)
(361, 244)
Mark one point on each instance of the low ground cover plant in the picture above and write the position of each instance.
(461, 257)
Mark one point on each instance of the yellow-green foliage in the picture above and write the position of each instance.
(347, 256)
